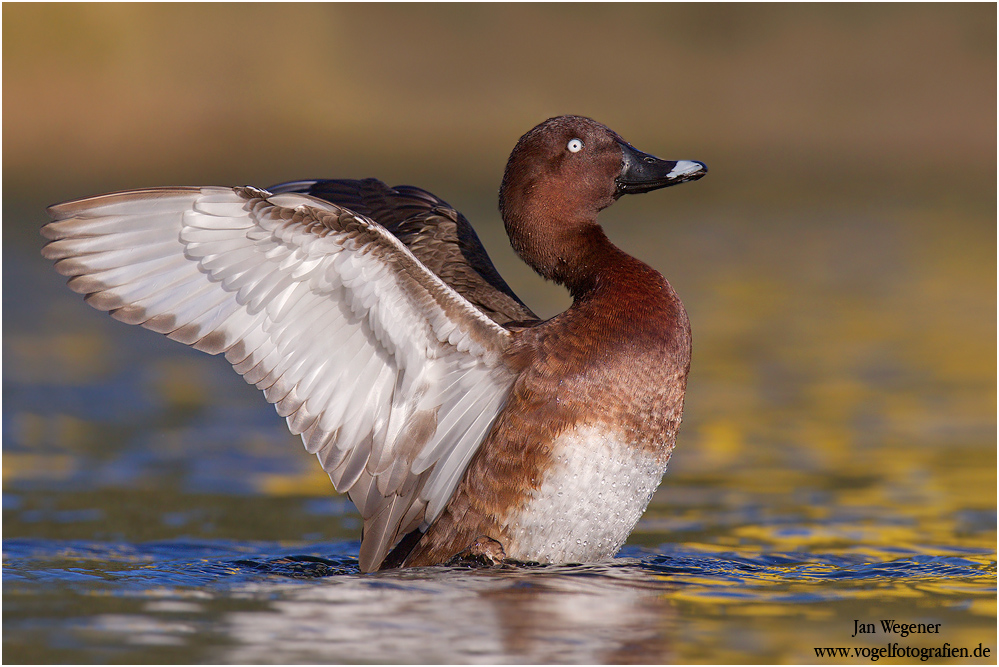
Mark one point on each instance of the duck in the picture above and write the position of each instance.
(460, 424)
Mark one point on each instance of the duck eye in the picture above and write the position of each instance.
(575, 145)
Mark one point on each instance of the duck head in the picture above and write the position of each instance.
(560, 175)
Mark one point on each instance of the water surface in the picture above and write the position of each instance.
(837, 465)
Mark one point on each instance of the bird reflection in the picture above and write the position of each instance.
(612, 612)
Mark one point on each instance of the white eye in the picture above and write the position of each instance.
(575, 145)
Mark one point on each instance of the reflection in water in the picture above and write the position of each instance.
(587, 614)
(233, 603)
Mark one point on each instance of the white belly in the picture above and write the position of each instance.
(589, 501)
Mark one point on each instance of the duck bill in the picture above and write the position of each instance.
(641, 172)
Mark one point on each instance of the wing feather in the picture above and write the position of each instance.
(433, 230)
(389, 375)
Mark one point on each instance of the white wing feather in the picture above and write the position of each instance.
(391, 378)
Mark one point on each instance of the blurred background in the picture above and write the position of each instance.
(838, 262)
(827, 102)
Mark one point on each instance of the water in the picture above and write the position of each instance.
(836, 467)
(217, 601)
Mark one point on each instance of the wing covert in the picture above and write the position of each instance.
(434, 231)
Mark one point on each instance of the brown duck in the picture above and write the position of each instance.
(458, 422)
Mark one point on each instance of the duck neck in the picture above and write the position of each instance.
(573, 254)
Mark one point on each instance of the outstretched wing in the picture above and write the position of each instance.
(391, 377)
(440, 237)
